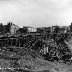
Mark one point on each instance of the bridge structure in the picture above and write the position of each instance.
(23, 40)
(18, 40)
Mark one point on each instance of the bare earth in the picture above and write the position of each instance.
(36, 65)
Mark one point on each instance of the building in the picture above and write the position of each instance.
(64, 29)
(13, 29)
(23, 30)
(55, 29)
(60, 29)
(47, 29)
(41, 30)
(32, 29)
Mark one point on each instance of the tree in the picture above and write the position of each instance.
(1, 28)
(71, 27)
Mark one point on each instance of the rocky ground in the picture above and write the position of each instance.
(29, 64)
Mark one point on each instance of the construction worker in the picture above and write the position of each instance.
(45, 49)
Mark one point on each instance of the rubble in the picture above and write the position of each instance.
(16, 49)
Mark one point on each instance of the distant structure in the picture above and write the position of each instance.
(32, 29)
(48, 30)
(22, 30)
(44, 30)
(13, 29)
(60, 29)
(41, 30)
(64, 29)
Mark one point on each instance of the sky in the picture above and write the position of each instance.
(36, 13)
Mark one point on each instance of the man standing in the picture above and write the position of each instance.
(45, 49)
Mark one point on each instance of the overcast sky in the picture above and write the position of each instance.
(36, 13)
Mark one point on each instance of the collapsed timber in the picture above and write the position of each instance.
(57, 49)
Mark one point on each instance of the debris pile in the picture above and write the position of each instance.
(51, 48)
